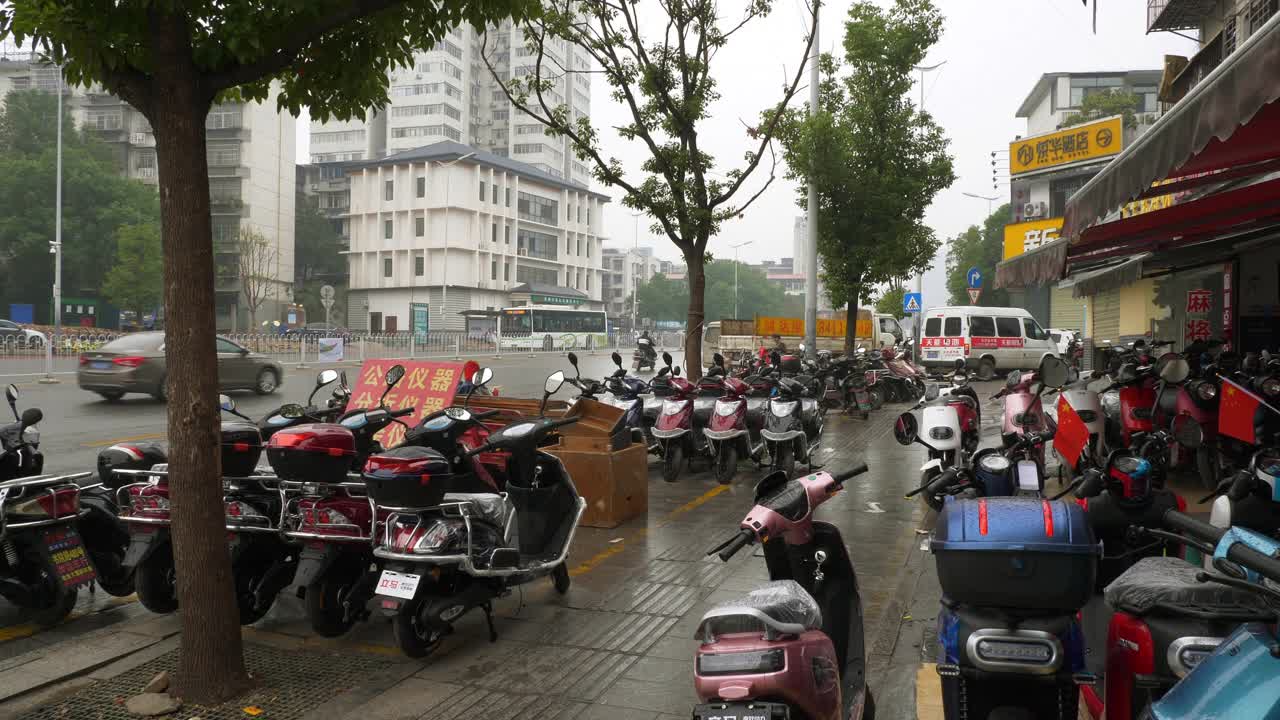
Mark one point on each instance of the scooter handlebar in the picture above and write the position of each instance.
(401, 412)
(851, 473)
(729, 548)
(1265, 565)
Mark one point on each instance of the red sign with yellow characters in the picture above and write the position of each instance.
(426, 386)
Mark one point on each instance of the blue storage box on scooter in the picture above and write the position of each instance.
(1015, 552)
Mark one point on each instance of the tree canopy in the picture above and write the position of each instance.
(981, 248)
(662, 298)
(136, 278)
(1096, 106)
(876, 158)
(97, 201)
(665, 82)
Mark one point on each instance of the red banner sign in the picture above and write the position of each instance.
(942, 342)
(988, 343)
(426, 386)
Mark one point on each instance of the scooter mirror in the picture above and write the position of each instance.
(573, 360)
(30, 416)
(675, 370)
(1053, 372)
(1187, 431)
(959, 365)
(718, 359)
(932, 392)
(226, 403)
(906, 429)
(553, 383)
(293, 411)
(394, 374)
(11, 392)
(617, 359)
(1175, 369)
(662, 372)
(666, 358)
(325, 377)
(482, 377)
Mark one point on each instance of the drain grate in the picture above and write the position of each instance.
(291, 683)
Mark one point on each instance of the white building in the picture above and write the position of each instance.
(250, 152)
(444, 228)
(625, 269)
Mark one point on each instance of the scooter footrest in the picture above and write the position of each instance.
(742, 711)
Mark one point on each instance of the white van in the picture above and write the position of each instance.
(988, 338)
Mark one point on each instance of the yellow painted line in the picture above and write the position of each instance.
(115, 441)
(594, 561)
(928, 693)
(16, 632)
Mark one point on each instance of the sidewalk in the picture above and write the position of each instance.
(619, 645)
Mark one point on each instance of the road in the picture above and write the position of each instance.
(77, 424)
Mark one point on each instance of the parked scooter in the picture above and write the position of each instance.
(333, 408)
(627, 394)
(792, 427)
(794, 647)
(675, 431)
(1080, 396)
(446, 553)
(1022, 410)
(732, 433)
(1015, 573)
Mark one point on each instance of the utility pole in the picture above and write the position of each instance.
(989, 198)
(56, 250)
(444, 277)
(919, 324)
(735, 274)
(635, 279)
(811, 257)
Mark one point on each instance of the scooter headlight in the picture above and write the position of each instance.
(1207, 391)
(744, 663)
(1019, 651)
(725, 409)
(941, 433)
(782, 409)
(994, 463)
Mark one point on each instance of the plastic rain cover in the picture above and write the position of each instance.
(1169, 583)
(782, 600)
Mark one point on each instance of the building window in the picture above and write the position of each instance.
(419, 266)
(579, 213)
(579, 243)
(588, 215)
(506, 272)
(422, 187)
(427, 131)
(1061, 190)
(493, 236)
(223, 154)
(507, 191)
(1083, 87)
(538, 209)
(389, 190)
(386, 267)
(104, 119)
(445, 109)
(320, 138)
(495, 193)
(386, 229)
(493, 270)
(536, 244)
(1146, 98)
(588, 247)
(532, 275)
(568, 245)
(420, 226)
(588, 282)
(506, 234)
(481, 191)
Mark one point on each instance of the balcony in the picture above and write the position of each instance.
(1166, 15)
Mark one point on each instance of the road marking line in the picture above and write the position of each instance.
(620, 544)
(116, 441)
(928, 693)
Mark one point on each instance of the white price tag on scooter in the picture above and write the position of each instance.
(1028, 475)
(399, 585)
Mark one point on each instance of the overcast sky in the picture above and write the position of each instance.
(994, 50)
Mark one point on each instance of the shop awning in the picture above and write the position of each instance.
(1199, 134)
(1033, 268)
(1092, 282)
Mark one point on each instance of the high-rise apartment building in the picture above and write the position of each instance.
(624, 271)
(250, 151)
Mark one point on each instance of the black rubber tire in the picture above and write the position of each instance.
(726, 463)
(929, 501)
(560, 578)
(986, 369)
(323, 600)
(785, 459)
(250, 613)
(160, 393)
(267, 383)
(111, 395)
(119, 583)
(673, 462)
(60, 606)
(877, 396)
(411, 641)
(153, 580)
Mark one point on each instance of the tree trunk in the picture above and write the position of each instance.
(851, 325)
(694, 321)
(211, 662)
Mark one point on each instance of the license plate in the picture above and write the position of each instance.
(400, 585)
(932, 354)
(100, 365)
(70, 562)
(741, 711)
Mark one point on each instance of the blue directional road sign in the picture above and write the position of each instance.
(975, 277)
(911, 302)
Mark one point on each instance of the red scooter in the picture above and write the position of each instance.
(793, 647)
(674, 430)
(730, 436)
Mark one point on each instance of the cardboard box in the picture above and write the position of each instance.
(614, 484)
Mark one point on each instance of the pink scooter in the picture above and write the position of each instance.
(1023, 412)
(794, 647)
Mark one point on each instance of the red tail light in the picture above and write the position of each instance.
(84, 359)
(60, 503)
(132, 361)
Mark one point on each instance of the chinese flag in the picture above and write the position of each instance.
(1072, 435)
(1235, 412)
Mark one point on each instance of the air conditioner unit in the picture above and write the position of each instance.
(1034, 210)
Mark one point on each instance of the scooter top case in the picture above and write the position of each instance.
(1018, 553)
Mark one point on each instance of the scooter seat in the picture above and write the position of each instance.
(1167, 586)
(780, 606)
(491, 507)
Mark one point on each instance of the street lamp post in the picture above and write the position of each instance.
(635, 279)
(56, 250)
(989, 198)
(735, 274)
(915, 347)
(444, 277)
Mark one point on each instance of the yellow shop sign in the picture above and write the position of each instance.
(1090, 141)
(1026, 236)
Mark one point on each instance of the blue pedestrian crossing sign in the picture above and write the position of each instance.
(974, 276)
(911, 302)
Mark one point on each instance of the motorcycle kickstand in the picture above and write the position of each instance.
(488, 618)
